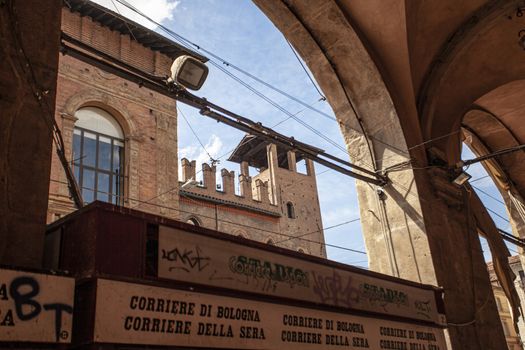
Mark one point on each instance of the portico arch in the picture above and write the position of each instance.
(362, 55)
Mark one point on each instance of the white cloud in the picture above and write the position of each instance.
(214, 146)
(158, 10)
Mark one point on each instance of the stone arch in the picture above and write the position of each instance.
(493, 123)
(342, 42)
(193, 220)
(369, 122)
(240, 233)
(111, 104)
(303, 250)
(290, 210)
(452, 82)
(117, 109)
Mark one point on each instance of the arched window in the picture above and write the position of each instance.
(98, 156)
(290, 210)
(193, 221)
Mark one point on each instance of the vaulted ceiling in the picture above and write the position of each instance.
(444, 63)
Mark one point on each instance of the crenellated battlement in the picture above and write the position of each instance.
(254, 192)
(263, 191)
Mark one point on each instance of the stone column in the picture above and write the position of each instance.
(310, 169)
(273, 167)
(188, 169)
(245, 168)
(262, 191)
(246, 186)
(208, 175)
(292, 162)
(228, 182)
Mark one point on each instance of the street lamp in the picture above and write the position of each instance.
(188, 72)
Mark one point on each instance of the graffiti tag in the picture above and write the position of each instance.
(187, 259)
(423, 308)
(23, 291)
(382, 296)
(269, 272)
(335, 290)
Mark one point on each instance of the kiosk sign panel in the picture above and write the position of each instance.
(190, 257)
(142, 314)
(35, 307)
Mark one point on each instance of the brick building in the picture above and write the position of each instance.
(514, 340)
(121, 139)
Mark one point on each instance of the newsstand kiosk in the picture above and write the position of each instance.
(142, 281)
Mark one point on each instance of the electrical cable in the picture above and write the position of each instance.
(498, 215)
(306, 71)
(324, 229)
(411, 147)
(479, 178)
(212, 160)
(285, 111)
(488, 194)
(126, 23)
(188, 44)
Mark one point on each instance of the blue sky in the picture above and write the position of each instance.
(237, 31)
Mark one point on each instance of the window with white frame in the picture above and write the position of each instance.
(98, 156)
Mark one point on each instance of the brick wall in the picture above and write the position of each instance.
(149, 122)
(148, 119)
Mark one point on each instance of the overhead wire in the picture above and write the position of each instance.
(189, 44)
(283, 110)
(305, 70)
(212, 160)
(320, 230)
(127, 26)
(478, 179)
(488, 194)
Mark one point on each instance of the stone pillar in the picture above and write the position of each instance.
(273, 167)
(310, 169)
(228, 182)
(246, 186)
(292, 161)
(26, 125)
(188, 169)
(245, 168)
(262, 191)
(208, 175)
